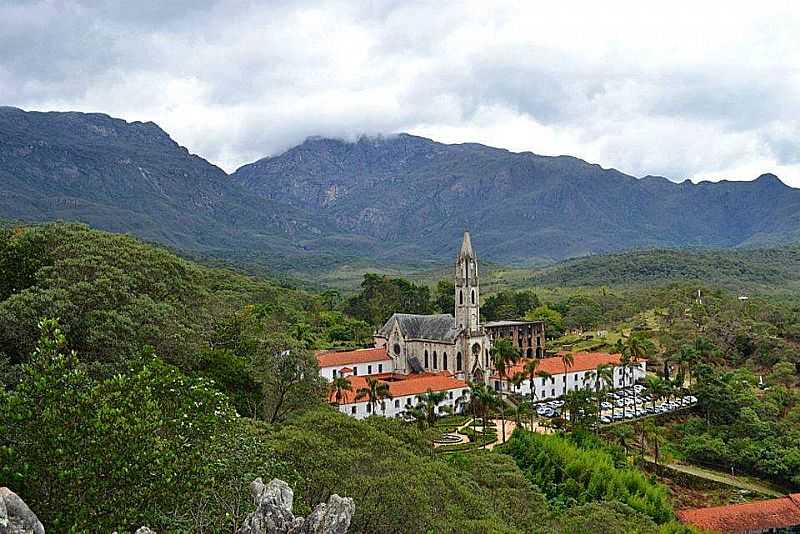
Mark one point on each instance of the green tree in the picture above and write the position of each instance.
(504, 355)
(375, 392)
(553, 320)
(124, 451)
(288, 377)
(568, 360)
(481, 400)
(656, 387)
(604, 380)
(636, 348)
(427, 410)
(338, 386)
(445, 296)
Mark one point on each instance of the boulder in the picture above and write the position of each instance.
(15, 516)
(273, 514)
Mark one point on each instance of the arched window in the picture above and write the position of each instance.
(461, 296)
(529, 353)
(396, 349)
(444, 361)
(435, 361)
(426, 358)
(459, 364)
(473, 296)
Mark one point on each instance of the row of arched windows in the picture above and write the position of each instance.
(459, 361)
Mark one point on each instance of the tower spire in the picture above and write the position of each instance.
(466, 247)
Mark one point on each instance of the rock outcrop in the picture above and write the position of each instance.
(273, 514)
(15, 516)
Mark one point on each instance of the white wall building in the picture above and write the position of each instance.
(404, 395)
(578, 376)
(360, 362)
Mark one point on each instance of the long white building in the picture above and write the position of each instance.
(404, 390)
(578, 376)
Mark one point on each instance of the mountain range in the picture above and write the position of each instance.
(394, 200)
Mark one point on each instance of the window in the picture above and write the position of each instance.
(444, 361)
(369, 369)
(396, 349)
(543, 380)
(408, 401)
(426, 358)
(334, 373)
(451, 395)
(397, 403)
(355, 371)
(473, 296)
(380, 367)
(461, 297)
(353, 410)
(552, 392)
(369, 408)
(458, 362)
(435, 360)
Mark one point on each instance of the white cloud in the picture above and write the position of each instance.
(705, 90)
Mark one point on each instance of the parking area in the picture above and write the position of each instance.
(623, 404)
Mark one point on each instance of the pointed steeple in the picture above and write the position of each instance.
(466, 247)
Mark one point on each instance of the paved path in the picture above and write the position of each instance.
(724, 478)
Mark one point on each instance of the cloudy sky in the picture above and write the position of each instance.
(700, 90)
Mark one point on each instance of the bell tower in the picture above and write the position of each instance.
(467, 296)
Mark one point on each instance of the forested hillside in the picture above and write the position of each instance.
(770, 269)
(139, 388)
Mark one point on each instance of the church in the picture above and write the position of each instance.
(416, 353)
(458, 344)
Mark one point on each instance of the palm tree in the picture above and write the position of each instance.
(654, 438)
(425, 412)
(656, 387)
(504, 355)
(526, 407)
(517, 380)
(623, 435)
(481, 399)
(625, 364)
(338, 386)
(604, 379)
(636, 348)
(530, 370)
(684, 359)
(568, 360)
(375, 392)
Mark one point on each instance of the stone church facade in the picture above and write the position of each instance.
(459, 344)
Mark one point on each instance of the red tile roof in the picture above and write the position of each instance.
(584, 361)
(349, 357)
(774, 513)
(403, 385)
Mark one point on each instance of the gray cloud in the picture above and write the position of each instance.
(685, 90)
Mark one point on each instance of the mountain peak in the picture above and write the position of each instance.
(769, 179)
